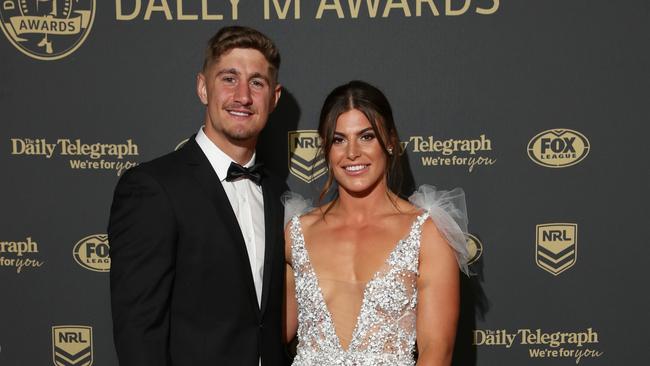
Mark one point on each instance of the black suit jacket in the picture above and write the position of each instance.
(182, 292)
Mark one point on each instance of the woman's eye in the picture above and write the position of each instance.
(367, 137)
(337, 140)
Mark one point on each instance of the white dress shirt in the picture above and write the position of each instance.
(247, 202)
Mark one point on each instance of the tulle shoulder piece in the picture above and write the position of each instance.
(448, 211)
(294, 205)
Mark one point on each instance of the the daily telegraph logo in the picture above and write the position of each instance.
(467, 152)
(541, 344)
(81, 155)
(558, 148)
(47, 29)
(19, 254)
(474, 247)
(305, 160)
(91, 253)
(556, 248)
(72, 345)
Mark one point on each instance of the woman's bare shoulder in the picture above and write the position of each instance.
(313, 216)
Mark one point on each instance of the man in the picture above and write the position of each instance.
(196, 235)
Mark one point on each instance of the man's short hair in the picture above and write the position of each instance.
(231, 37)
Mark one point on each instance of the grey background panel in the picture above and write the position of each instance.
(529, 67)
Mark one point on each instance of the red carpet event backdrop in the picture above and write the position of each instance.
(538, 109)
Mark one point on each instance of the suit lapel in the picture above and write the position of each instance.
(209, 183)
(271, 214)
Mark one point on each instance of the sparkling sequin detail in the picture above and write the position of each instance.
(385, 331)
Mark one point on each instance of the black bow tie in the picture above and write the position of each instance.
(236, 171)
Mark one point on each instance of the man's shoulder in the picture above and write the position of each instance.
(168, 167)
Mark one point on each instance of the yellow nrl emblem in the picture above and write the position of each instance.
(305, 162)
(47, 29)
(72, 345)
(557, 247)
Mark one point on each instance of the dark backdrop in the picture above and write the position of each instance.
(503, 91)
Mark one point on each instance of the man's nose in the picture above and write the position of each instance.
(243, 94)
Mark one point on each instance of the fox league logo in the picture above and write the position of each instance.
(92, 254)
(72, 345)
(47, 29)
(305, 159)
(558, 148)
(556, 249)
(474, 248)
(181, 144)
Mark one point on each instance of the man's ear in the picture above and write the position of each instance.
(277, 92)
(202, 88)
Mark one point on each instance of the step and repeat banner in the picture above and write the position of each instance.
(538, 109)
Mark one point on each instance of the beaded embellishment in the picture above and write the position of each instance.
(385, 330)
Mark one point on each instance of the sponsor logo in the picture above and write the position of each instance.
(558, 148)
(181, 144)
(19, 254)
(474, 247)
(72, 345)
(305, 160)
(81, 155)
(575, 345)
(468, 153)
(91, 253)
(47, 29)
(556, 249)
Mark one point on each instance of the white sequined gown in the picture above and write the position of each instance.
(385, 332)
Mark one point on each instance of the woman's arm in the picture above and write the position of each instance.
(438, 299)
(290, 306)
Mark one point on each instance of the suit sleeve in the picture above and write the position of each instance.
(142, 238)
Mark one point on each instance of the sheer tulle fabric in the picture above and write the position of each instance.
(447, 209)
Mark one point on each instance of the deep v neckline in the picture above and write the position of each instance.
(373, 278)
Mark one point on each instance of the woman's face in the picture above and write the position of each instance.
(357, 159)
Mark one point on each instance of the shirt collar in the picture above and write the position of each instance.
(219, 160)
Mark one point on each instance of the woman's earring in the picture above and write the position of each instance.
(390, 151)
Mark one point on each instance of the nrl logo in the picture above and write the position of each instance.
(556, 249)
(305, 162)
(72, 345)
(47, 29)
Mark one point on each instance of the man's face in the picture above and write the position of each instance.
(240, 92)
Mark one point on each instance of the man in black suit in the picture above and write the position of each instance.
(196, 235)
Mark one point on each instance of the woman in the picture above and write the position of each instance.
(369, 273)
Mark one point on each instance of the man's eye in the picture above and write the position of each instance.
(257, 83)
(228, 79)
